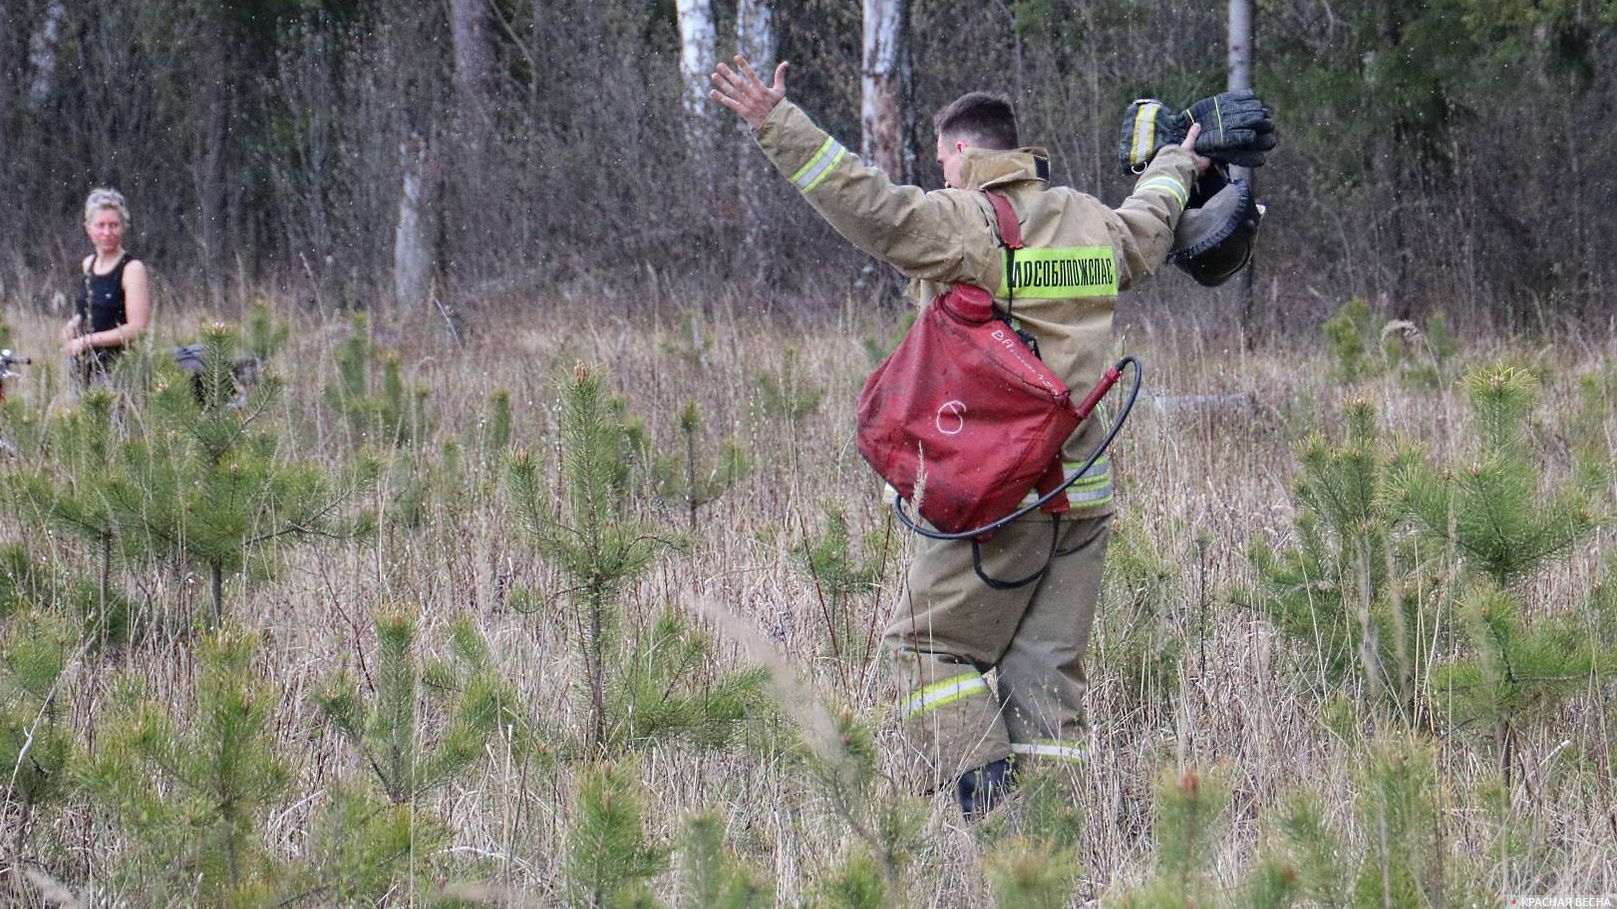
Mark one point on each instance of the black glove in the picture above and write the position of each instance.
(1237, 128)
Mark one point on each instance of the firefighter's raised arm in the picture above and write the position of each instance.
(915, 231)
(742, 91)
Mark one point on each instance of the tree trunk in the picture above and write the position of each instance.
(696, 59)
(1240, 44)
(43, 46)
(691, 495)
(1240, 76)
(210, 142)
(1389, 172)
(595, 654)
(467, 187)
(5, 96)
(472, 32)
(218, 578)
(884, 105)
(106, 577)
(755, 36)
(412, 239)
(211, 193)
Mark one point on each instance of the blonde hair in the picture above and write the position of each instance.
(105, 197)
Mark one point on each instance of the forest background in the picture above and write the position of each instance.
(1448, 155)
(580, 603)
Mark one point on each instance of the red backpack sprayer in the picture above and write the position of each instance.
(965, 413)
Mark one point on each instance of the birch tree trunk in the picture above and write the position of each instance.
(1240, 76)
(43, 48)
(1240, 58)
(755, 36)
(696, 58)
(472, 32)
(883, 109)
(468, 186)
(412, 239)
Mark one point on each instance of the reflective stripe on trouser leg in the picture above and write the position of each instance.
(1052, 749)
(950, 627)
(958, 715)
(1041, 676)
(944, 693)
(949, 725)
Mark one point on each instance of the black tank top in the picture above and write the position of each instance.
(100, 307)
(101, 302)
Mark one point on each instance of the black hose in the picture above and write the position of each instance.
(1106, 443)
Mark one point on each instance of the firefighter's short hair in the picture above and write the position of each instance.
(987, 118)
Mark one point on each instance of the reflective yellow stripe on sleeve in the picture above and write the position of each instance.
(819, 166)
(1071, 752)
(1174, 187)
(943, 693)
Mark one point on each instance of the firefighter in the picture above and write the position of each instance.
(950, 627)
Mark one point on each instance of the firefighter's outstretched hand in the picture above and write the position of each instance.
(742, 91)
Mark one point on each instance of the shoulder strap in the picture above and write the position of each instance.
(1010, 237)
(1010, 230)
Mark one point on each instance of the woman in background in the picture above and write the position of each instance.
(115, 304)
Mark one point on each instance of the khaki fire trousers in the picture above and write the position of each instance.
(951, 629)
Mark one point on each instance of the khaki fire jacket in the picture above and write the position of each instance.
(1079, 253)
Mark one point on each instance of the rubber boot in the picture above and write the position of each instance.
(982, 788)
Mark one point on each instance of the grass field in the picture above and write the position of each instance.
(1207, 464)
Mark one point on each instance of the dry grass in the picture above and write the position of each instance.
(1201, 483)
